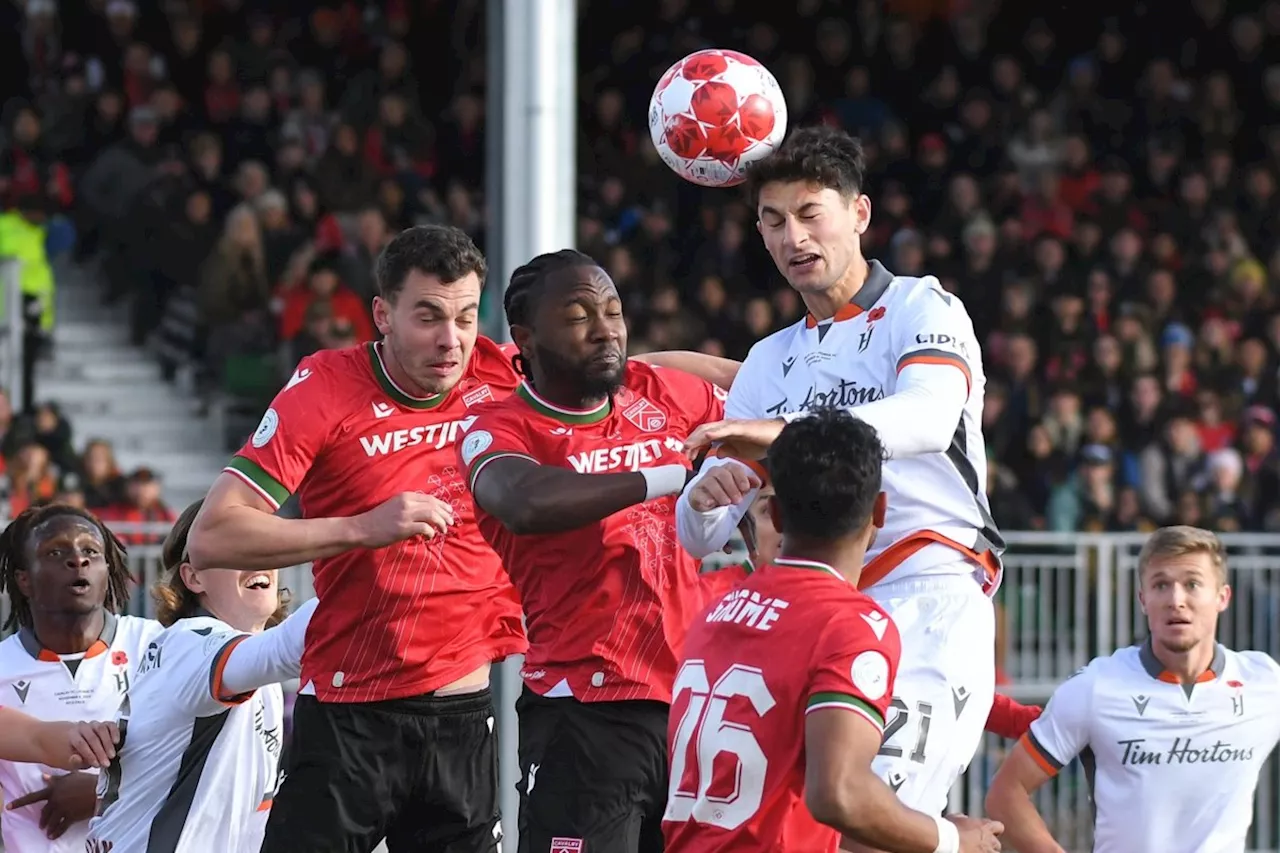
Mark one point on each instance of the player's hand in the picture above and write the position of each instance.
(402, 517)
(90, 744)
(745, 439)
(67, 800)
(723, 485)
(977, 836)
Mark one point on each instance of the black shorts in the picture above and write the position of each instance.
(593, 775)
(421, 772)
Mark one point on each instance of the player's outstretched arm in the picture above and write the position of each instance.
(529, 498)
(273, 656)
(712, 368)
(238, 527)
(66, 746)
(842, 792)
(1009, 801)
(714, 504)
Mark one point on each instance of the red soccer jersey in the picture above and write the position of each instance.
(793, 638)
(412, 617)
(606, 605)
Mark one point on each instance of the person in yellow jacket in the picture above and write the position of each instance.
(22, 238)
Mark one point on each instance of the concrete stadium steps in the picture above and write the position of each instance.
(109, 389)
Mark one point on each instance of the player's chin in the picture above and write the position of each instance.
(605, 376)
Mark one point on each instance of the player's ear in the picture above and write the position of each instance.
(522, 336)
(1224, 597)
(1142, 599)
(382, 314)
(191, 578)
(775, 512)
(22, 578)
(861, 213)
(879, 509)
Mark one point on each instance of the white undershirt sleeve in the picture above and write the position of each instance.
(921, 415)
(705, 533)
(273, 656)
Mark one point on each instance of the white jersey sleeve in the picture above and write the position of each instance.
(273, 656)
(705, 533)
(932, 339)
(1062, 731)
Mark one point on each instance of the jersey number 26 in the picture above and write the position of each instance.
(704, 726)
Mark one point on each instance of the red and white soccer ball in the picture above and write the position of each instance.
(713, 114)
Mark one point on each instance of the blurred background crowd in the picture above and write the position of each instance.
(1100, 191)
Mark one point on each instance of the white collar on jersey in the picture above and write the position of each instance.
(797, 563)
(877, 282)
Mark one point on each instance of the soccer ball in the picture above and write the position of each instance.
(713, 114)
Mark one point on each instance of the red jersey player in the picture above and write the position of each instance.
(394, 730)
(574, 478)
(780, 704)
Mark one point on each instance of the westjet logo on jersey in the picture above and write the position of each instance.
(434, 436)
(628, 457)
(1183, 751)
(745, 607)
(842, 396)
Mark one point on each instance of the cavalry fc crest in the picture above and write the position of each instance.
(645, 415)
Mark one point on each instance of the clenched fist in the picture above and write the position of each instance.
(402, 517)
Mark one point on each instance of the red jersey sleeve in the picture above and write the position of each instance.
(855, 663)
(293, 432)
(699, 400)
(495, 434)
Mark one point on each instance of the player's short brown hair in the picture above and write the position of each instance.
(439, 250)
(821, 155)
(1182, 540)
(174, 600)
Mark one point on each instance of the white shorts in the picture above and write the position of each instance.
(945, 685)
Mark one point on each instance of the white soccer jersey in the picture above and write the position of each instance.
(1173, 768)
(937, 502)
(47, 686)
(194, 773)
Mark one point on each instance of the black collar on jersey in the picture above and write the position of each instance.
(878, 281)
(32, 645)
(1156, 670)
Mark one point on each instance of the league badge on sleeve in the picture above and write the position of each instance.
(474, 444)
(870, 674)
(266, 429)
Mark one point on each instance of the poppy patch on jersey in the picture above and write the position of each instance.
(870, 674)
(645, 415)
(474, 444)
(266, 428)
(560, 844)
(119, 658)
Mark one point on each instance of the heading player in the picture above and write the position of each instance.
(1177, 727)
(780, 703)
(899, 354)
(69, 660)
(393, 732)
(202, 727)
(574, 478)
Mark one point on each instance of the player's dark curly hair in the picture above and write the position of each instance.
(440, 250)
(826, 474)
(173, 598)
(520, 300)
(822, 155)
(13, 559)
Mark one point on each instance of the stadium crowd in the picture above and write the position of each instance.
(1105, 205)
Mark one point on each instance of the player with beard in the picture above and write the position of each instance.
(71, 658)
(393, 731)
(574, 478)
(1173, 731)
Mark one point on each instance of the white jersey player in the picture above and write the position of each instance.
(1176, 728)
(202, 728)
(899, 353)
(69, 660)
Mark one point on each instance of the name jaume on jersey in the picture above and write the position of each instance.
(434, 436)
(746, 607)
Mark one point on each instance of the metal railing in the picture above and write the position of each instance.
(1066, 599)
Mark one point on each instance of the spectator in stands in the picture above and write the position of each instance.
(142, 503)
(101, 481)
(324, 285)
